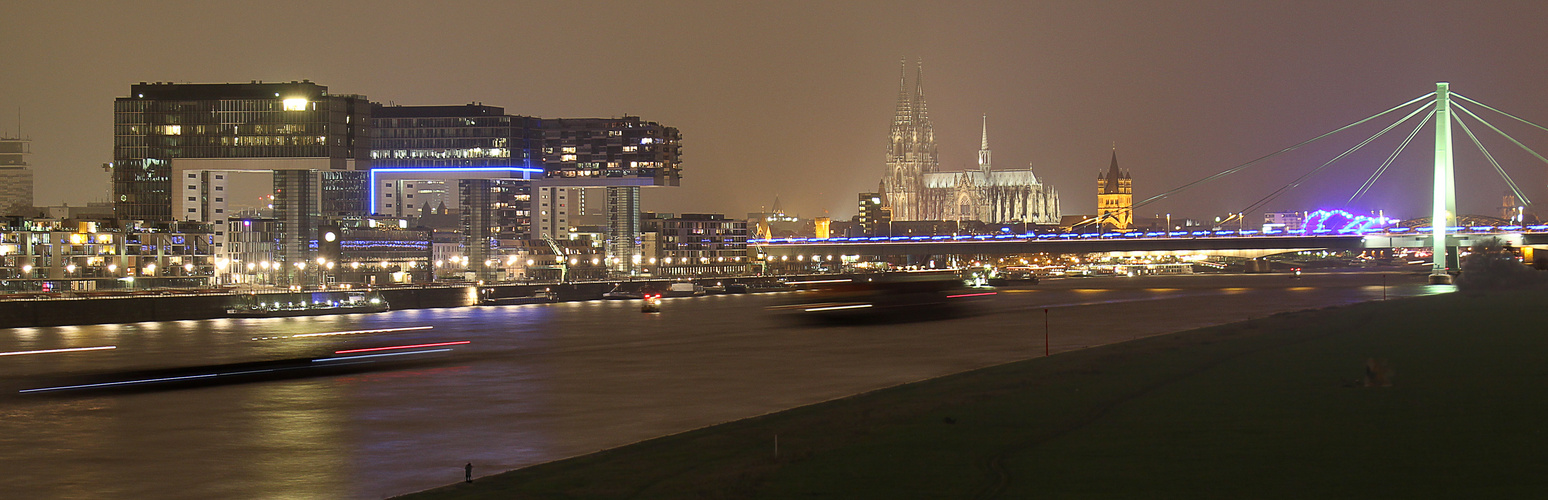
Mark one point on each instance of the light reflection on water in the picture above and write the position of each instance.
(539, 382)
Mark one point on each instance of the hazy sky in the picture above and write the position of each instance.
(795, 98)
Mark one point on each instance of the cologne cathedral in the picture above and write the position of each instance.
(915, 188)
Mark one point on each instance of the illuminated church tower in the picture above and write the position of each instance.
(910, 152)
(1115, 197)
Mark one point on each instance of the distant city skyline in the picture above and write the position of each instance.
(793, 99)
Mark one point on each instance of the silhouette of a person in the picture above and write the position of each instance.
(467, 472)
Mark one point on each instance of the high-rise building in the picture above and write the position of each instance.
(473, 157)
(621, 154)
(473, 140)
(875, 219)
(1115, 197)
(15, 176)
(175, 146)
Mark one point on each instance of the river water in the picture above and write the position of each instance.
(534, 383)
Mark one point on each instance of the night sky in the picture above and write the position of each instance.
(794, 99)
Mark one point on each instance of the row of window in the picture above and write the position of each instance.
(441, 153)
(389, 133)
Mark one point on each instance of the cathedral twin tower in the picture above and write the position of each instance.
(916, 189)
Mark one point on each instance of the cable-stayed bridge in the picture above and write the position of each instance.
(1441, 106)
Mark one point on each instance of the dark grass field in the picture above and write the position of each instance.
(1278, 407)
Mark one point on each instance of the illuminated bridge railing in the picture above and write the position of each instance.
(1136, 235)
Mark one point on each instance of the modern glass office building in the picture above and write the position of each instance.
(175, 146)
(162, 129)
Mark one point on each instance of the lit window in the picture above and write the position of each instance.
(295, 104)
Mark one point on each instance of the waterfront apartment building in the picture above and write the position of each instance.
(61, 255)
(695, 244)
(15, 176)
(175, 146)
(621, 154)
(474, 140)
(475, 158)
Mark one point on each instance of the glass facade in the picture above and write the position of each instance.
(457, 137)
(453, 136)
(612, 148)
(158, 123)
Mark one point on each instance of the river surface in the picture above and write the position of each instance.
(534, 383)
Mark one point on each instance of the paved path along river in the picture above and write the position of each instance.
(536, 383)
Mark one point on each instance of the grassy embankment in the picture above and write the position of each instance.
(1271, 408)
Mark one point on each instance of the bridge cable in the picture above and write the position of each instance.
(1486, 106)
(1260, 159)
(1371, 182)
(1490, 157)
(1297, 182)
(1502, 133)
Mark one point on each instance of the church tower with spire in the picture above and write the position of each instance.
(983, 149)
(1115, 196)
(911, 150)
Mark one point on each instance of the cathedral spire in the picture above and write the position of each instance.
(919, 78)
(983, 148)
(984, 144)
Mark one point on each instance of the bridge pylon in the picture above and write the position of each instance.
(1445, 201)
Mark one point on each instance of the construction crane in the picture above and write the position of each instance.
(564, 265)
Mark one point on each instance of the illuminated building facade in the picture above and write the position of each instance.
(1115, 197)
(176, 144)
(910, 152)
(428, 137)
(620, 154)
(695, 245)
(914, 188)
(91, 255)
(989, 195)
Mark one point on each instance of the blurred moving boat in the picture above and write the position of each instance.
(908, 296)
